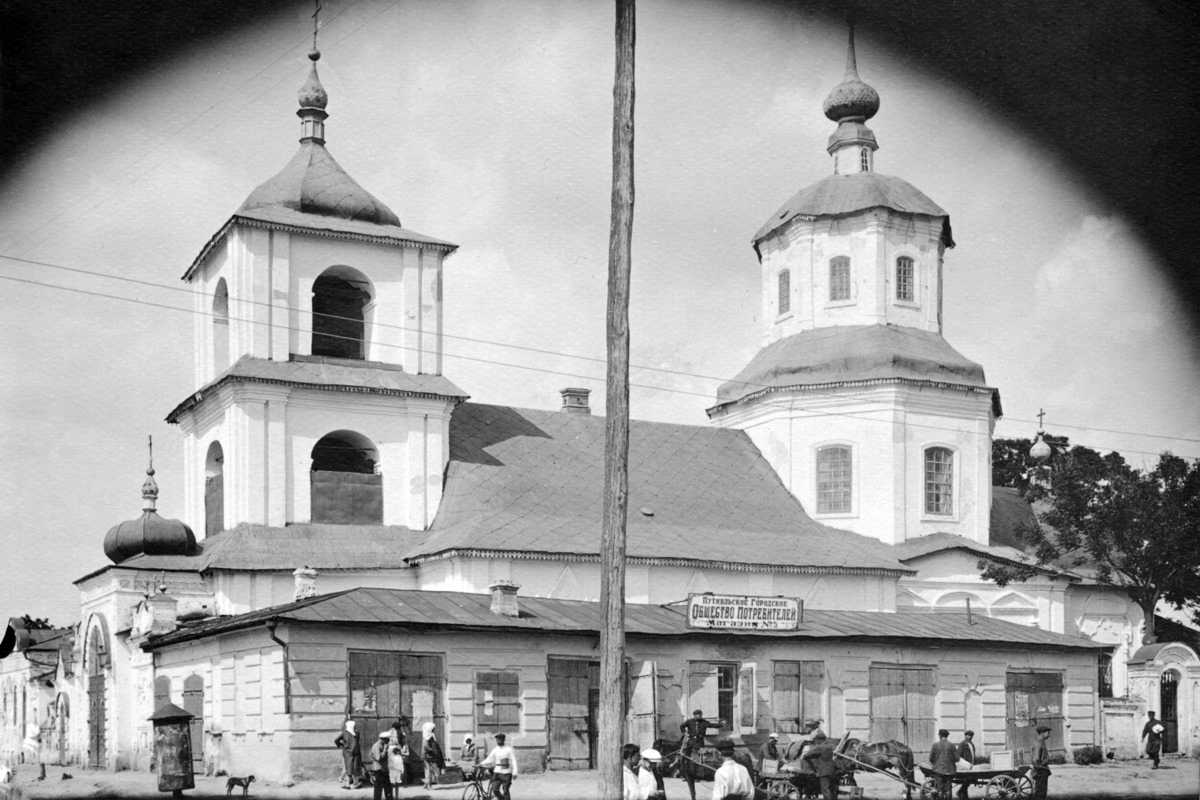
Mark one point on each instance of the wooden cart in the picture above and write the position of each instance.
(999, 784)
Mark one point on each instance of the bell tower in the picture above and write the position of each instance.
(318, 354)
(873, 421)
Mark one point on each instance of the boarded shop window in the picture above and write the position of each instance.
(389, 686)
(833, 480)
(785, 291)
(1033, 699)
(939, 481)
(902, 704)
(497, 702)
(797, 690)
(839, 278)
(712, 688)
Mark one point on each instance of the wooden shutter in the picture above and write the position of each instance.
(786, 696)
(747, 697)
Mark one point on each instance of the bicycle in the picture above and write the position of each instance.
(478, 784)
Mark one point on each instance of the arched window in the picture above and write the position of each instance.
(904, 279)
(346, 484)
(214, 489)
(939, 481)
(864, 160)
(220, 327)
(833, 480)
(340, 299)
(785, 291)
(839, 278)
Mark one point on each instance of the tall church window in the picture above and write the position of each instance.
(833, 480)
(214, 489)
(785, 291)
(839, 278)
(340, 299)
(220, 327)
(864, 160)
(346, 486)
(904, 279)
(939, 481)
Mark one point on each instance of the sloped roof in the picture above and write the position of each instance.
(45, 649)
(532, 481)
(457, 610)
(331, 374)
(838, 195)
(852, 353)
(927, 545)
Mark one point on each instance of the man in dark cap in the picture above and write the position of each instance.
(732, 781)
(1041, 764)
(694, 731)
(966, 752)
(943, 763)
(820, 758)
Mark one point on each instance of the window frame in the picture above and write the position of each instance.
(852, 495)
(864, 159)
(911, 300)
(951, 484)
(838, 262)
(783, 292)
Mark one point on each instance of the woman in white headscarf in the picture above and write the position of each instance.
(352, 764)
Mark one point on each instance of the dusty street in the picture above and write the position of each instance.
(1178, 778)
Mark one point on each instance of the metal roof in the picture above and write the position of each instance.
(838, 195)
(853, 353)
(457, 610)
(329, 374)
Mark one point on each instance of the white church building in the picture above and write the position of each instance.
(361, 541)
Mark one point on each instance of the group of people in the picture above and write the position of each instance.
(945, 757)
(386, 764)
(642, 771)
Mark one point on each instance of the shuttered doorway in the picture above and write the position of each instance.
(1033, 699)
(574, 687)
(386, 687)
(902, 705)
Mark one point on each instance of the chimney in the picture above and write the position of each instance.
(306, 583)
(504, 598)
(575, 401)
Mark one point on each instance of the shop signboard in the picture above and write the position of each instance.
(744, 612)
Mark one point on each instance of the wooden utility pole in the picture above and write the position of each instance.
(616, 441)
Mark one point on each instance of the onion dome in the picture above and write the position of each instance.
(852, 99)
(149, 534)
(1040, 450)
(312, 94)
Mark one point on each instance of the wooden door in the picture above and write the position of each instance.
(902, 705)
(1033, 699)
(574, 687)
(193, 703)
(97, 720)
(386, 687)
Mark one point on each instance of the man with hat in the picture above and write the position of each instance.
(378, 766)
(1041, 764)
(650, 775)
(732, 781)
(503, 761)
(769, 753)
(966, 752)
(820, 758)
(943, 763)
(694, 731)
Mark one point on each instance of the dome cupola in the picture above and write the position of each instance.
(850, 104)
(149, 534)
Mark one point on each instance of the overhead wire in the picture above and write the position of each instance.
(864, 415)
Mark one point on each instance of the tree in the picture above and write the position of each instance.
(1135, 530)
(36, 623)
(1011, 464)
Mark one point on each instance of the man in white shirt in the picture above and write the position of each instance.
(503, 761)
(631, 789)
(732, 781)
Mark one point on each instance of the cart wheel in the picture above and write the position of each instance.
(929, 790)
(1003, 787)
(1024, 787)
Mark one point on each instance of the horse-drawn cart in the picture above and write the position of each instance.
(999, 784)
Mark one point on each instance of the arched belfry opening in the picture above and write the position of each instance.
(220, 327)
(341, 305)
(214, 489)
(346, 484)
(96, 667)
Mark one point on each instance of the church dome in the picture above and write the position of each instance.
(853, 98)
(312, 94)
(149, 534)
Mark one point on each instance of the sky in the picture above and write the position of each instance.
(489, 125)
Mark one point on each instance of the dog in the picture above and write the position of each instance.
(242, 782)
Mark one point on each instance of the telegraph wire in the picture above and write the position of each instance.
(527, 348)
(859, 416)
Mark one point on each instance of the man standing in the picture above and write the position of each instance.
(769, 753)
(631, 788)
(966, 752)
(503, 761)
(1152, 732)
(943, 762)
(820, 758)
(378, 766)
(1041, 764)
(732, 781)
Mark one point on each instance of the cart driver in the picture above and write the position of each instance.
(694, 731)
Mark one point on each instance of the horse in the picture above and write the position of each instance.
(889, 755)
(691, 768)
